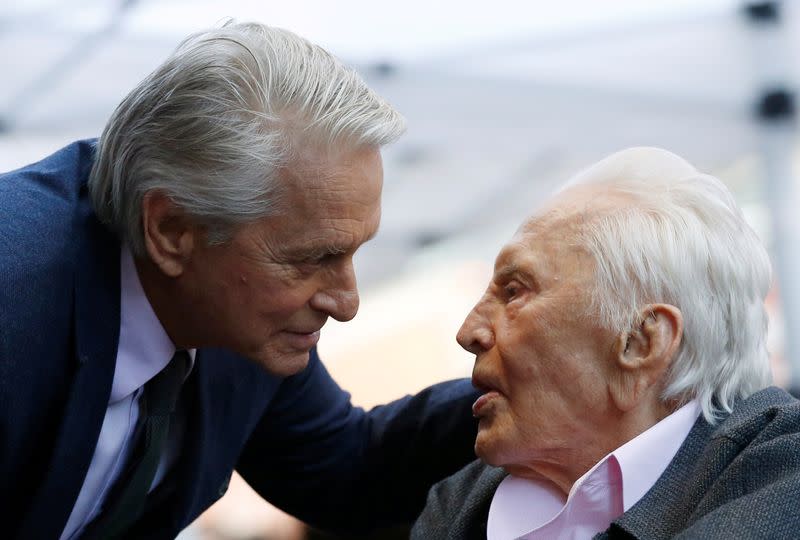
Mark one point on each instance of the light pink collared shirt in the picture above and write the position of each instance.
(523, 509)
(144, 349)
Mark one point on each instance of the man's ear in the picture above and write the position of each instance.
(643, 355)
(169, 235)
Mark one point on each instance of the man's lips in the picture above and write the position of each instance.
(302, 340)
(483, 401)
(489, 394)
(304, 330)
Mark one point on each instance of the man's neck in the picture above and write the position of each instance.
(162, 293)
(564, 466)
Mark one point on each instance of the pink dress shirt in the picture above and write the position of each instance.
(523, 509)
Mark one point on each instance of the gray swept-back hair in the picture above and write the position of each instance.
(212, 126)
(683, 241)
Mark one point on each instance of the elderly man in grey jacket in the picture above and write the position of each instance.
(620, 351)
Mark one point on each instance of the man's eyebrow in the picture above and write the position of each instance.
(506, 271)
(331, 247)
(506, 262)
(327, 249)
(512, 270)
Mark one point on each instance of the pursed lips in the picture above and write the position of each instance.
(488, 391)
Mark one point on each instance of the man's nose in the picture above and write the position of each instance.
(476, 334)
(338, 297)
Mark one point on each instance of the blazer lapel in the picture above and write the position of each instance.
(96, 320)
(193, 464)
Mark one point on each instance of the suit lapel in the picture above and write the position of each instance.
(193, 464)
(96, 334)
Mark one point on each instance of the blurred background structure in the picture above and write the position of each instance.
(504, 101)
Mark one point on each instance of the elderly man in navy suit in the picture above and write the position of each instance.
(162, 291)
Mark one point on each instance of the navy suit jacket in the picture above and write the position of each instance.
(297, 440)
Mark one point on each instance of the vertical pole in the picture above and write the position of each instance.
(775, 113)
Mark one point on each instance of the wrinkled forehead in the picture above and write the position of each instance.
(570, 209)
(550, 241)
(355, 170)
(547, 245)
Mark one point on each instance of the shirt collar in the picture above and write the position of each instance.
(644, 458)
(144, 346)
(521, 504)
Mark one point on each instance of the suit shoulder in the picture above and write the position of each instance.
(39, 204)
(57, 176)
(768, 413)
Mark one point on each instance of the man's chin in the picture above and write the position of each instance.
(487, 448)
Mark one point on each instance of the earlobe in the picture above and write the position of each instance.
(645, 353)
(169, 235)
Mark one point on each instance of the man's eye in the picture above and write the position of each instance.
(511, 290)
(320, 258)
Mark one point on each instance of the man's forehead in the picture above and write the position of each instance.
(555, 218)
(349, 175)
(574, 206)
(551, 235)
(323, 159)
(536, 240)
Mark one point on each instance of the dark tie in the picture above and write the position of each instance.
(155, 408)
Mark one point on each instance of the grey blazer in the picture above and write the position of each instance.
(738, 479)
